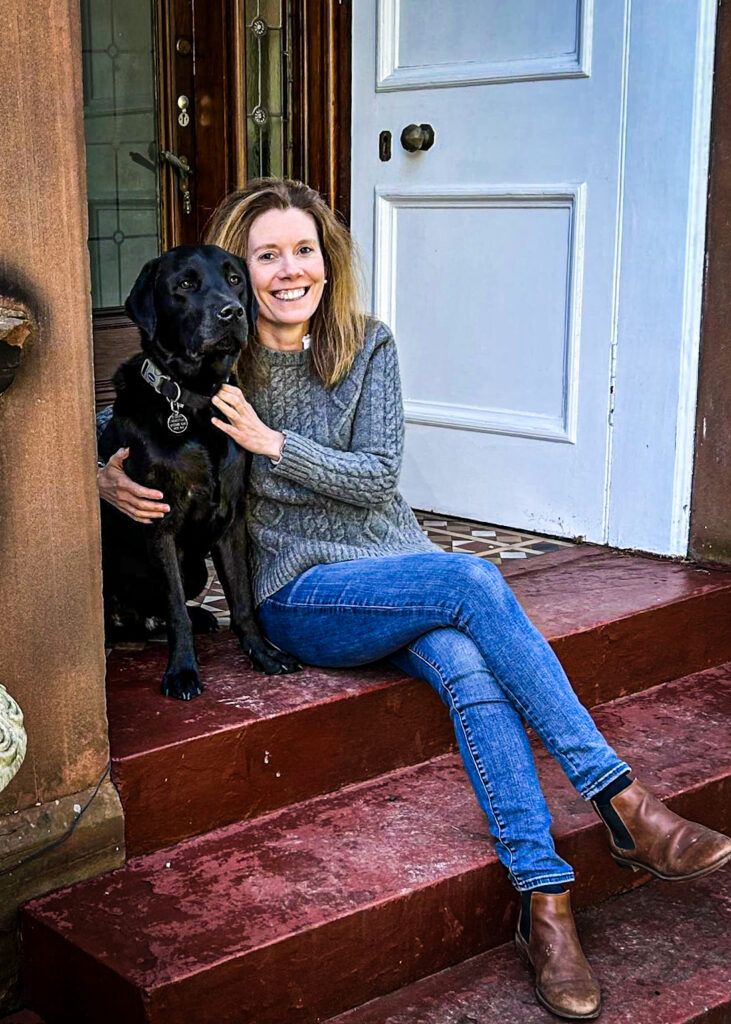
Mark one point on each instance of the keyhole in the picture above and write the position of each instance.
(384, 146)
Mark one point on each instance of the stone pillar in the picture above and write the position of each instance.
(51, 634)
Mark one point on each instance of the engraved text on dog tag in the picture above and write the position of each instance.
(177, 422)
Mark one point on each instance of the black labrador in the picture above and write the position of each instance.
(195, 309)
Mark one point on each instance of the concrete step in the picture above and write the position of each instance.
(314, 909)
(661, 954)
(252, 743)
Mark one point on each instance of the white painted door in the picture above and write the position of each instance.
(494, 255)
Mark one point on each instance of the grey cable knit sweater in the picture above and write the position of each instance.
(334, 494)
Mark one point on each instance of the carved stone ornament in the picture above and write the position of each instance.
(15, 326)
(13, 739)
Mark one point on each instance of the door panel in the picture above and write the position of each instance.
(200, 45)
(483, 33)
(267, 100)
(493, 254)
(503, 249)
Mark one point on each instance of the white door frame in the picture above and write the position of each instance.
(663, 202)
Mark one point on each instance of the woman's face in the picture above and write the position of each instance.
(286, 266)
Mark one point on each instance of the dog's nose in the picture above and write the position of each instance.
(231, 312)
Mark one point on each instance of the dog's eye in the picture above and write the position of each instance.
(234, 279)
(186, 284)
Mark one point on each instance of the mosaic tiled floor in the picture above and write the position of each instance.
(493, 543)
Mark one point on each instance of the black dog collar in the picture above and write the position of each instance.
(175, 394)
(170, 389)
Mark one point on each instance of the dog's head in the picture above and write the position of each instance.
(195, 309)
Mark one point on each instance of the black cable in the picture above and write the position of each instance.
(67, 834)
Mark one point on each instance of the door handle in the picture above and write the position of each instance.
(185, 173)
(416, 137)
(180, 163)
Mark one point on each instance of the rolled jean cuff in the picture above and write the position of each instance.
(596, 787)
(526, 884)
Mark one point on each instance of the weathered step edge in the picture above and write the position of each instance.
(241, 772)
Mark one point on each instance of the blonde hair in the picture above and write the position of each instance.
(337, 326)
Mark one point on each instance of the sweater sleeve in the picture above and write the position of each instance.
(103, 418)
(366, 475)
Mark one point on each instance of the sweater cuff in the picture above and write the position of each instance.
(299, 457)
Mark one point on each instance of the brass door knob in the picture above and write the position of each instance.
(417, 137)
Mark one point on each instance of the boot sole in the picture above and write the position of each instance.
(522, 951)
(626, 862)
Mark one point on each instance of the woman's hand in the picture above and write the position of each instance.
(139, 503)
(244, 426)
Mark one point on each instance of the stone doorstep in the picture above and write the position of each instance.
(349, 895)
(650, 973)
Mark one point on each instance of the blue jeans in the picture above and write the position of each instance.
(452, 620)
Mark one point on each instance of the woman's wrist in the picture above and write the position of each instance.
(278, 439)
(107, 490)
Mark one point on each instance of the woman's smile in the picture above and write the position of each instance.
(292, 295)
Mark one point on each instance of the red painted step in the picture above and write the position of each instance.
(661, 954)
(311, 910)
(253, 743)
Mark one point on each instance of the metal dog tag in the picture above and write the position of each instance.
(177, 422)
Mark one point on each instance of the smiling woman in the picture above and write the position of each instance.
(343, 575)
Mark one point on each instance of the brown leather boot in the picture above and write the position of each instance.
(565, 983)
(665, 844)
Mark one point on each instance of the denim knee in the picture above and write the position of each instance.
(458, 668)
(475, 582)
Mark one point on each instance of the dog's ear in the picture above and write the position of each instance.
(140, 304)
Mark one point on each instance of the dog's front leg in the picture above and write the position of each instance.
(182, 676)
(229, 557)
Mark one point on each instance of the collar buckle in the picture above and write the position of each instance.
(152, 376)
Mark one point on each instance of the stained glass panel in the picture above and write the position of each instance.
(121, 144)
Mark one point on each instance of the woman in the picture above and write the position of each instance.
(343, 575)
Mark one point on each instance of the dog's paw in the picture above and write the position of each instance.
(183, 684)
(274, 662)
